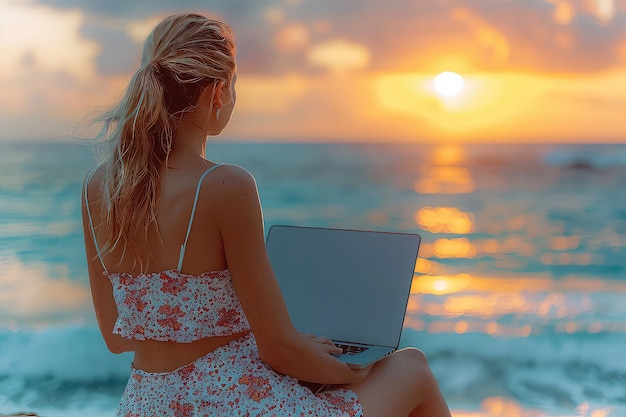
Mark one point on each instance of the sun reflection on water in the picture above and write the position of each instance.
(445, 180)
(505, 259)
(507, 306)
(505, 407)
(444, 220)
(445, 176)
(465, 282)
(454, 248)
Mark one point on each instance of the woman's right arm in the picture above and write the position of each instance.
(279, 344)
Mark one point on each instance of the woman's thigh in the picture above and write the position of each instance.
(397, 385)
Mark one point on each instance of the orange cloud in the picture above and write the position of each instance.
(563, 12)
(488, 38)
(339, 55)
(603, 10)
(270, 95)
(139, 30)
(274, 15)
(292, 37)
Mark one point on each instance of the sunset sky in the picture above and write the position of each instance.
(339, 70)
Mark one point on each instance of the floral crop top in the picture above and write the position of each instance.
(176, 307)
(170, 305)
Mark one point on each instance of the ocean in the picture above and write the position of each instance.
(519, 296)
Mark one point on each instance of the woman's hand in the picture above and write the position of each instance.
(324, 343)
(353, 375)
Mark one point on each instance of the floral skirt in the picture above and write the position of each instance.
(230, 381)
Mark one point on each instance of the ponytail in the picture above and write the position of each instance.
(143, 132)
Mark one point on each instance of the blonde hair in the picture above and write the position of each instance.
(183, 55)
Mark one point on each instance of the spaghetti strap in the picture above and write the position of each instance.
(93, 231)
(193, 212)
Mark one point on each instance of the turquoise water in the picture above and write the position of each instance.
(518, 297)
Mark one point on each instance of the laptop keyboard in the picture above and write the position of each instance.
(351, 349)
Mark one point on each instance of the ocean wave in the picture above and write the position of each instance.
(544, 371)
(50, 367)
(66, 353)
(78, 354)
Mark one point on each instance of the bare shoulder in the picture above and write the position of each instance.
(236, 191)
(233, 180)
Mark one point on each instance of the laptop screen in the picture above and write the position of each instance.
(344, 284)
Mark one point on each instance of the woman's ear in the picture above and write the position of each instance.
(212, 95)
(219, 94)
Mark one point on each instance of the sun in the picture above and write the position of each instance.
(449, 84)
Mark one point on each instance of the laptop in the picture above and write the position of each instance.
(351, 286)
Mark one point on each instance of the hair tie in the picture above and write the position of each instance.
(151, 66)
(154, 65)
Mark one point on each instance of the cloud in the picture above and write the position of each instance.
(138, 30)
(339, 55)
(270, 95)
(119, 52)
(553, 35)
(541, 39)
(292, 37)
(43, 37)
(142, 9)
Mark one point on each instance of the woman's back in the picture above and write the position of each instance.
(162, 295)
(159, 249)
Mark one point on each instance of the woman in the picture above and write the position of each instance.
(157, 216)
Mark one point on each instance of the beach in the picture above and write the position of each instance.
(518, 292)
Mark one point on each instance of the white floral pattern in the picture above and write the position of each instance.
(172, 306)
(230, 381)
